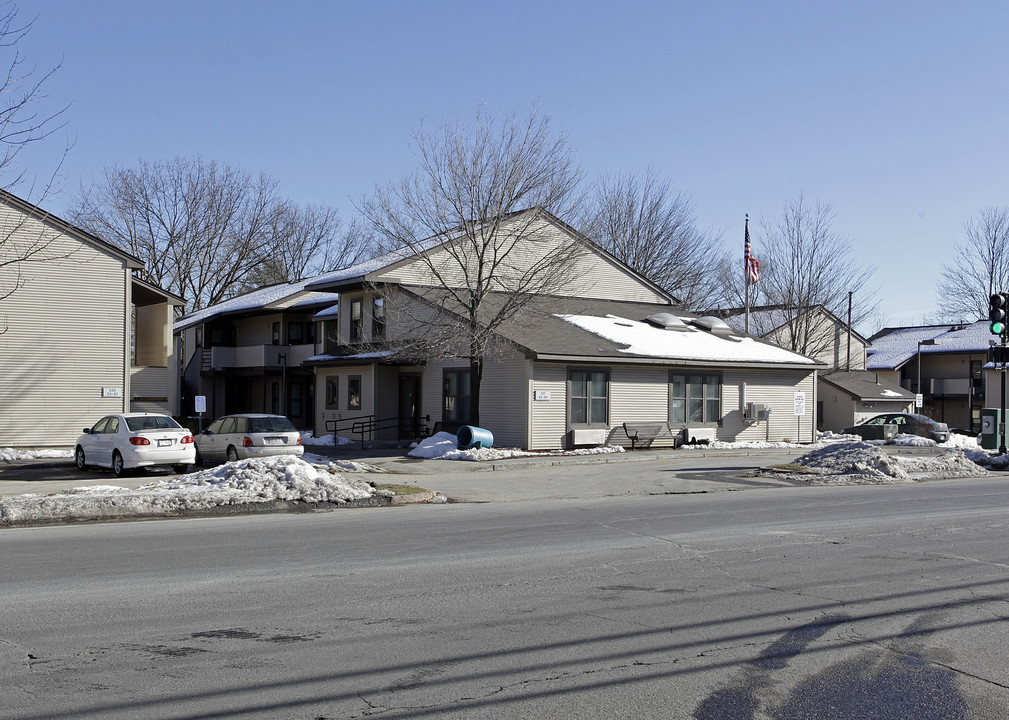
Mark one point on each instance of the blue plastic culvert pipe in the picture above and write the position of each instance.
(474, 438)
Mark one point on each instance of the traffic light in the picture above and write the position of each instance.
(998, 307)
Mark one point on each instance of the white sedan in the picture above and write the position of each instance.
(245, 435)
(134, 440)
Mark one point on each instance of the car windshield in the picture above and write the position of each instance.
(151, 422)
(271, 424)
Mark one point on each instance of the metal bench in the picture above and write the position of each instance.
(645, 433)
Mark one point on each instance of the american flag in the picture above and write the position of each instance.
(751, 265)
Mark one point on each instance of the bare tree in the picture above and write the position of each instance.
(307, 241)
(24, 122)
(459, 214)
(206, 231)
(644, 222)
(804, 264)
(980, 267)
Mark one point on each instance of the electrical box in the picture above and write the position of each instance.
(991, 418)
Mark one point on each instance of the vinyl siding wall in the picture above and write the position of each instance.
(342, 412)
(66, 339)
(548, 418)
(776, 389)
(504, 399)
(593, 275)
(641, 394)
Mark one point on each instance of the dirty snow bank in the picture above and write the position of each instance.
(19, 454)
(256, 480)
(445, 446)
(864, 463)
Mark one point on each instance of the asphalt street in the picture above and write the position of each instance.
(836, 603)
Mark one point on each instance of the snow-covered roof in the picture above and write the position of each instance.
(867, 386)
(265, 297)
(645, 339)
(892, 348)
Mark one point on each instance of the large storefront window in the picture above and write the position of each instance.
(456, 399)
(589, 393)
(695, 398)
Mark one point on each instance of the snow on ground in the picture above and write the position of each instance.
(445, 446)
(863, 463)
(256, 480)
(834, 459)
(17, 454)
(328, 440)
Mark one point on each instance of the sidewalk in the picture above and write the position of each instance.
(638, 472)
(522, 478)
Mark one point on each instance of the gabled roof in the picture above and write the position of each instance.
(282, 296)
(131, 261)
(765, 319)
(891, 348)
(867, 386)
(585, 329)
(369, 270)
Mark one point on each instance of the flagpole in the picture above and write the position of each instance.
(746, 273)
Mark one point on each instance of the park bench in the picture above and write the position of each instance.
(643, 434)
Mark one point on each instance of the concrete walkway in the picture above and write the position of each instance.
(639, 472)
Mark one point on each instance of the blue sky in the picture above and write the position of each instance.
(895, 113)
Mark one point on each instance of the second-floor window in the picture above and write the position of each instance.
(356, 321)
(295, 333)
(378, 318)
(332, 334)
(276, 333)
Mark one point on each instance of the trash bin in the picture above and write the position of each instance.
(474, 437)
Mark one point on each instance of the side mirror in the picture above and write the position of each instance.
(87, 431)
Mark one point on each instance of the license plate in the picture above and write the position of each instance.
(274, 440)
(165, 443)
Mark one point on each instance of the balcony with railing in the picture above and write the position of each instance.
(256, 356)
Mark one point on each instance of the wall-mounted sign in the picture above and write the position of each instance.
(541, 395)
(112, 392)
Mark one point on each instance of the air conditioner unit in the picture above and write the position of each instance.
(698, 435)
(587, 436)
(756, 412)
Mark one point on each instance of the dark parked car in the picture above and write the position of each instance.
(907, 423)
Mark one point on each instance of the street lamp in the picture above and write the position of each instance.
(929, 341)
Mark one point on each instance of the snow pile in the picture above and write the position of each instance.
(968, 442)
(256, 480)
(341, 465)
(15, 454)
(326, 440)
(445, 446)
(861, 463)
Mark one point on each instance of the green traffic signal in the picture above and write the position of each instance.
(997, 328)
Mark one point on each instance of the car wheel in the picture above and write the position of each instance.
(198, 460)
(232, 453)
(79, 458)
(117, 464)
